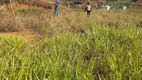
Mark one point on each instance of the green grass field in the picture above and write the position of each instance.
(109, 48)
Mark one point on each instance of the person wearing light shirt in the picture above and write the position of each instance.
(88, 9)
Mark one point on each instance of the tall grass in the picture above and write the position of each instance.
(102, 53)
(108, 49)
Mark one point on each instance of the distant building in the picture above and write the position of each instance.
(103, 1)
(99, 3)
(78, 4)
(93, 1)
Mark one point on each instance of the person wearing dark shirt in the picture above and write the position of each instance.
(56, 7)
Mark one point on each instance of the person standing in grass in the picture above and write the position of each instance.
(56, 7)
(88, 8)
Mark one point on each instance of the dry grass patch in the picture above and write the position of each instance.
(9, 23)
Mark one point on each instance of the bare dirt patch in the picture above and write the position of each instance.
(27, 34)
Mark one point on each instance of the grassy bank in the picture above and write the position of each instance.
(105, 46)
(103, 53)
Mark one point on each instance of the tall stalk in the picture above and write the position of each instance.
(11, 7)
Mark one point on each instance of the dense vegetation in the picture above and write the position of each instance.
(105, 46)
(103, 53)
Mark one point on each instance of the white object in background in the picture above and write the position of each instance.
(78, 5)
(124, 7)
(108, 7)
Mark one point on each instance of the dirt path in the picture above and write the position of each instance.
(26, 34)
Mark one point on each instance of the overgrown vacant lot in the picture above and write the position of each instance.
(105, 46)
